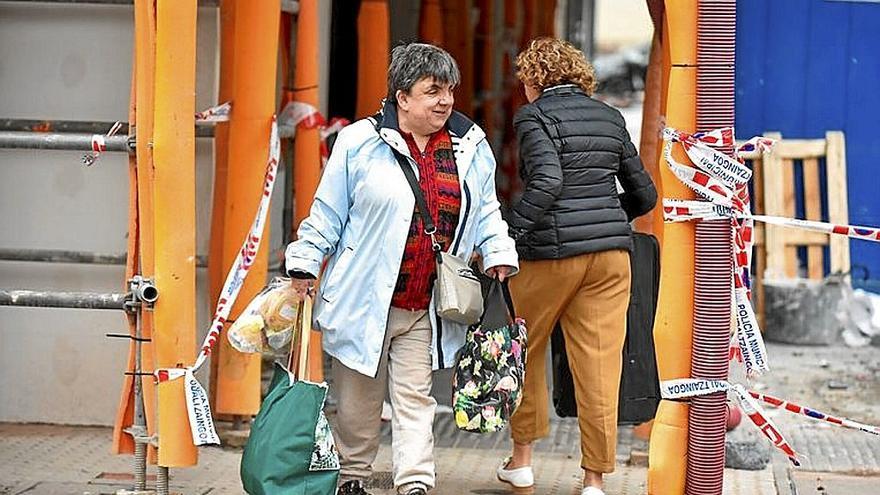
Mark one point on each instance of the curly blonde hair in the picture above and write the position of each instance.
(547, 62)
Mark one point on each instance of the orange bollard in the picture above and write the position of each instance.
(255, 56)
(307, 142)
(373, 51)
(175, 220)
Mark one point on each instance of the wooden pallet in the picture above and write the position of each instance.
(776, 247)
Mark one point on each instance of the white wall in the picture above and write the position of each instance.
(621, 23)
(73, 62)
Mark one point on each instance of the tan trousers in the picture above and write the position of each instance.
(405, 368)
(589, 294)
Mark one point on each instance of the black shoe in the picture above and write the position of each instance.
(353, 487)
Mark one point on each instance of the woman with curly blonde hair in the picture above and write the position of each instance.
(574, 240)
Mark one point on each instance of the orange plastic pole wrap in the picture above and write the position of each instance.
(216, 272)
(373, 50)
(255, 56)
(307, 142)
(431, 22)
(651, 145)
(140, 243)
(459, 41)
(673, 326)
(175, 220)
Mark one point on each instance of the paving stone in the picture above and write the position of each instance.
(813, 483)
(55, 460)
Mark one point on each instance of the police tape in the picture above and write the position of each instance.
(814, 414)
(723, 180)
(199, 412)
(300, 114)
(694, 387)
(699, 148)
(99, 145)
(219, 113)
(678, 210)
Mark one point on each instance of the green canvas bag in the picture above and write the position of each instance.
(290, 450)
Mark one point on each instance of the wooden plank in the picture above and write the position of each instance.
(800, 148)
(837, 199)
(774, 204)
(788, 199)
(813, 210)
(793, 236)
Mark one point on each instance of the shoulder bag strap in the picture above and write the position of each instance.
(430, 228)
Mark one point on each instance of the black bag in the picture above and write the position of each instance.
(639, 381)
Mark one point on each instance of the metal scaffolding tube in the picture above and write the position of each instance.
(74, 300)
(65, 256)
(205, 129)
(202, 3)
(290, 6)
(70, 142)
(61, 256)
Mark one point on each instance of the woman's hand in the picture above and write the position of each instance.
(500, 272)
(302, 286)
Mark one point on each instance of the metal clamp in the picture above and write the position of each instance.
(142, 292)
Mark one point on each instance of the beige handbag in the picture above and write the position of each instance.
(457, 293)
(458, 296)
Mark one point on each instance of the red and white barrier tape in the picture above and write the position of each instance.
(694, 387)
(297, 113)
(684, 388)
(814, 414)
(219, 113)
(199, 412)
(99, 145)
(724, 182)
(719, 166)
(678, 210)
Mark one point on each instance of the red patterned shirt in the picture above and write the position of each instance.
(438, 178)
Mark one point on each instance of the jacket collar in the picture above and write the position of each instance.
(562, 90)
(465, 134)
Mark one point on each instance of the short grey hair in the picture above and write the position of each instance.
(412, 62)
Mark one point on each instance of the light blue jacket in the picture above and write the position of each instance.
(361, 217)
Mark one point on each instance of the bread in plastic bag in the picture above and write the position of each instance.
(267, 320)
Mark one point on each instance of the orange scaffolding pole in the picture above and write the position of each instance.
(459, 41)
(144, 73)
(254, 59)
(216, 268)
(175, 220)
(373, 50)
(673, 325)
(307, 142)
(431, 22)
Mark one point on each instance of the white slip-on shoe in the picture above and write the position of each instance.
(592, 490)
(521, 477)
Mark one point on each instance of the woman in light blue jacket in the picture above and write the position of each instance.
(375, 305)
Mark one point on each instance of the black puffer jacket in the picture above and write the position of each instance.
(571, 149)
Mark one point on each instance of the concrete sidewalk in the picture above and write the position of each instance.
(56, 460)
